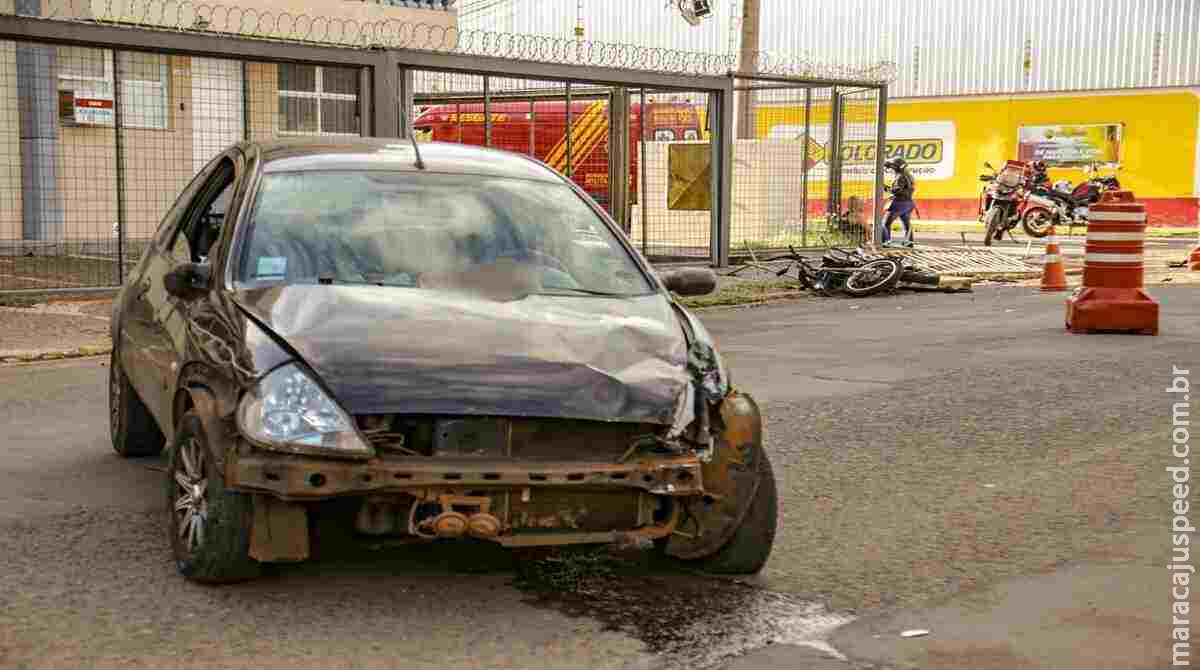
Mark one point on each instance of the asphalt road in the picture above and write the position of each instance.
(940, 457)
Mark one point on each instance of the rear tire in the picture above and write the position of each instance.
(208, 525)
(881, 274)
(1037, 223)
(132, 429)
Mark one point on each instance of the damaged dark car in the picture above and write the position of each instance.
(451, 342)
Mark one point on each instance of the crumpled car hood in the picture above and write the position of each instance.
(384, 350)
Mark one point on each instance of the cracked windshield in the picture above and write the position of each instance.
(433, 231)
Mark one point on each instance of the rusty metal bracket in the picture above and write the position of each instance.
(551, 539)
(280, 531)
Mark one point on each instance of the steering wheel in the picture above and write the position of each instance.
(541, 258)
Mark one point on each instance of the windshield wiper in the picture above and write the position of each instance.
(587, 291)
(326, 279)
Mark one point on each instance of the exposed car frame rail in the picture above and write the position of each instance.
(293, 478)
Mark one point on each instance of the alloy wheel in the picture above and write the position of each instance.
(191, 495)
(114, 398)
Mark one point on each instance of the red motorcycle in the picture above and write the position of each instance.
(1064, 204)
(1003, 199)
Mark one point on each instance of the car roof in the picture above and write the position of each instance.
(395, 154)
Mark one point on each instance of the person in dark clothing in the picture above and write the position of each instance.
(1039, 179)
(902, 204)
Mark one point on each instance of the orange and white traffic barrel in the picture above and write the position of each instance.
(1112, 296)
(1054, 273)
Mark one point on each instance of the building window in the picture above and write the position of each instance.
(316, 100)
(145, 84)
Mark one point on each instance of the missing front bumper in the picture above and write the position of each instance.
(513, 503)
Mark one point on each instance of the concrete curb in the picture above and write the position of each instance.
(60, 355)
(763, 299)
(954, 227)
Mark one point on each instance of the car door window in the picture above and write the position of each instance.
(201, 226)
(170, 223)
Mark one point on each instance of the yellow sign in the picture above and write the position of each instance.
(914, 151)
(862, 152)
(689, 185)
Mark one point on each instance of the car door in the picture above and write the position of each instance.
(135, 328)
(189, 243)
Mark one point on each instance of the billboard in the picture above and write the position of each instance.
(928, 146)
(1069, 145)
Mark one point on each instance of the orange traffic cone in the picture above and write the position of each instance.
(1193, 260)
(1054, 274)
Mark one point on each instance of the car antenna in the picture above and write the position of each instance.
(413, 138)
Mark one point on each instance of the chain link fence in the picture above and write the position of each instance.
(102, 142)
(96, 142)
(805, 167)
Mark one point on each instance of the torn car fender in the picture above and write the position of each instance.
(731, 481)
(218, 431)
(704, 362)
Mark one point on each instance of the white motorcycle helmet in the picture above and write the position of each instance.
(1062, 186)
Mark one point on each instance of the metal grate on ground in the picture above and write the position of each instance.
(981, 263)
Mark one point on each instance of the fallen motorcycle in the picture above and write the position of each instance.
(855, 273)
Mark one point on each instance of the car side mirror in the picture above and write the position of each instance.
(690, 281)
(188, 281)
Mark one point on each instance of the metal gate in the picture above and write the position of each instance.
(808, 164)
(643, 155)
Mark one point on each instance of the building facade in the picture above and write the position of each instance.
(1109, 83)
(176, 112)
(1077, 82)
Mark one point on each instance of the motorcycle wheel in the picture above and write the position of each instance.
(1037, 223)
(992, 223)
(874, 276)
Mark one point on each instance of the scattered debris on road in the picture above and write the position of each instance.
(857, 273)
(916, 632)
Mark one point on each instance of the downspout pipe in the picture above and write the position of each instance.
(37, 112)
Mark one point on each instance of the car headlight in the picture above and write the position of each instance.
(289, 411)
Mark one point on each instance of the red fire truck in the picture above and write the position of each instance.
(538, 129)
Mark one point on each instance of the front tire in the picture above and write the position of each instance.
(992, 222)
(748, 550)
(208, 525)
(131, 428)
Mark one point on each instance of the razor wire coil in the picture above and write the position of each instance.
(232, 20)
